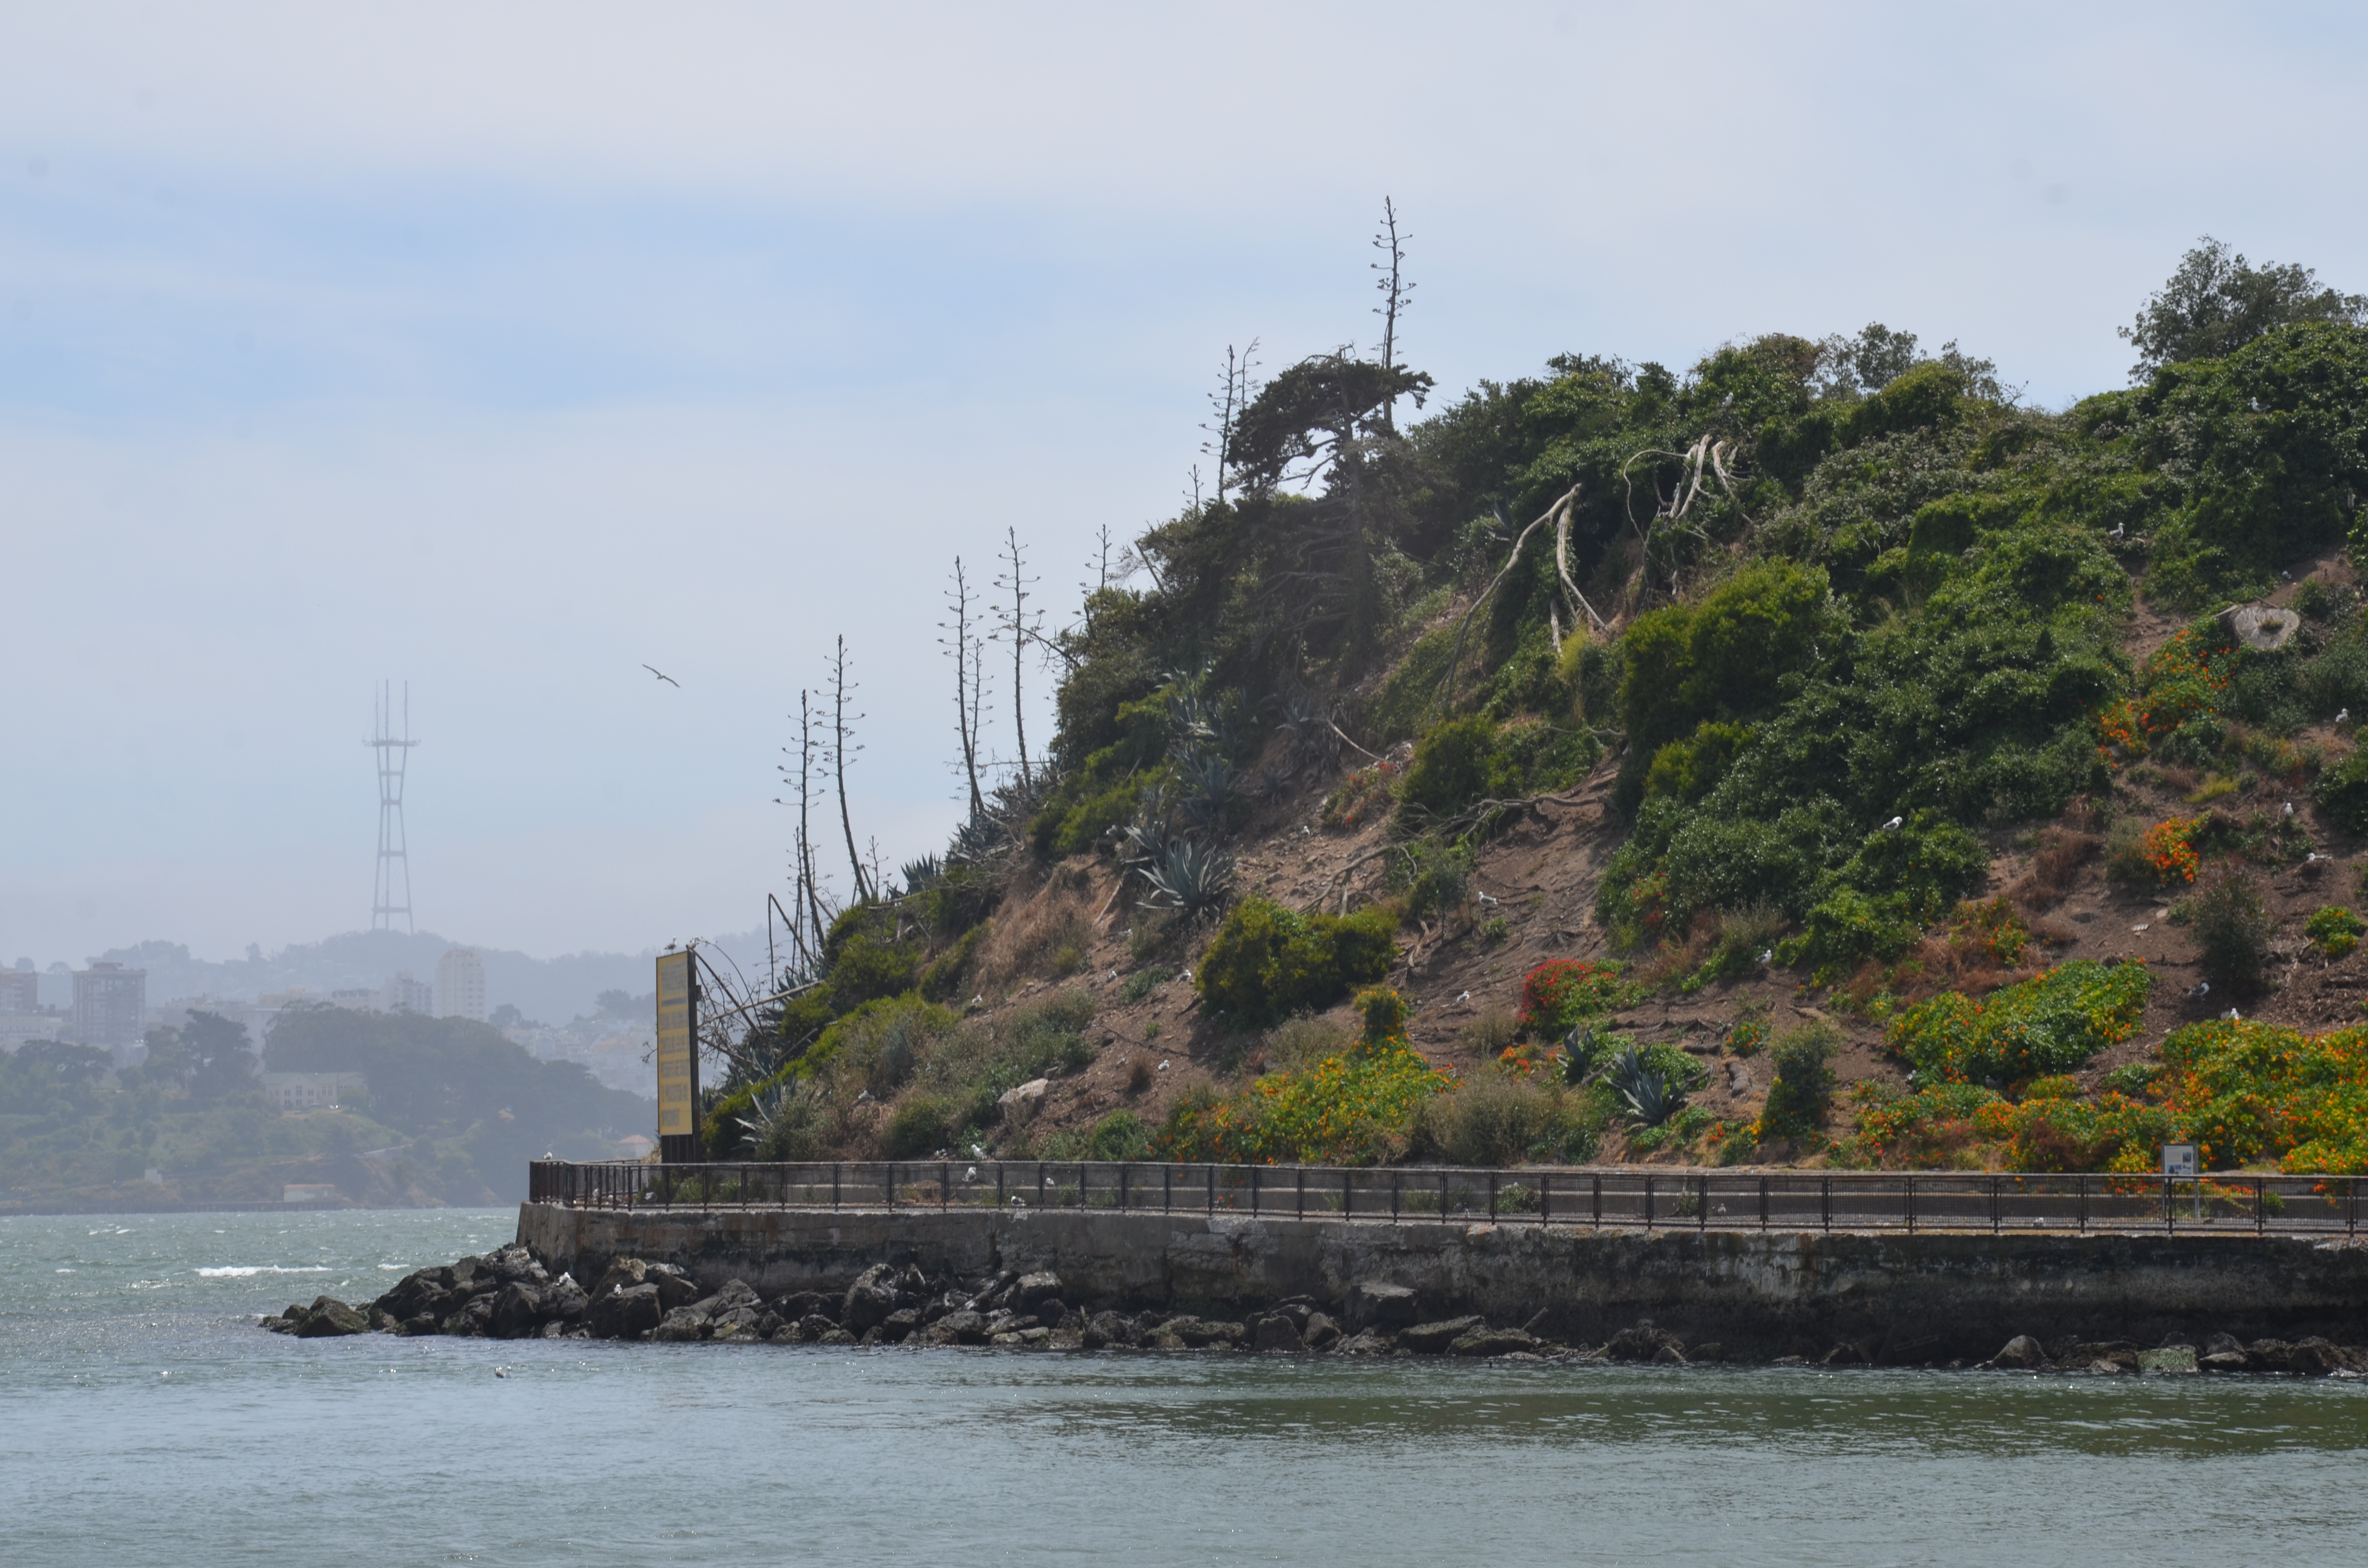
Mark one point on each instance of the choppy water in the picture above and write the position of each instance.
(144, 1419)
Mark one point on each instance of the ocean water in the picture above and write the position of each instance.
(143, 1418)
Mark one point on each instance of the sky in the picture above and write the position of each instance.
(505, 349)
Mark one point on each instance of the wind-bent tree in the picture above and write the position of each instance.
(2217, 302)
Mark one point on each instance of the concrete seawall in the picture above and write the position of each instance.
(1888, 1296)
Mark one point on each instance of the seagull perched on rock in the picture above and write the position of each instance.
(2201, 988)
(1163, 1067)
(664, 676)
(1466, 996)
(1895, 824)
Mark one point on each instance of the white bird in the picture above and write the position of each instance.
(1895, 824)
(2339, 718)
(976, 1153)
(862, 1096)
(1305, 830)
(1163, 1067)
(500, 1371)
(1767, 954)
(1483, 897)
(2287, 575)
(1186, 975)
(664, 676)
(2201, 988)
(2315, 855)
(2289, 807)
(2119, 529)
(2230, 1016)
(1017, 1201)
(978, 1000)
(1114, 974)
(971, 1174)
(1465, 996)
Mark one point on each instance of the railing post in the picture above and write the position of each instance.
(1824, 1203)
(1123, 1169)
(1081, 1183)
(1701, 1200)
(1595, 1221)
(2261, 1206)
(1393, 1192)
(1303, 1192)
(2170, 1207)
(1648, 1202)
(1545, 1198)
(834, 1184)
(1763, 1203)
(998, 1186)
(1213, 1190)
(1911, 1204)
(1347, 1194)
(1040, 1184)
(945, 1185)
(1491, 1198)
(1995, 1201)
(1254, 1191)
(1443, 1195)
(1167, 1188)
(2084, 1203)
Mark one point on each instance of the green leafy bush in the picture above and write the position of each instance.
(1804, 1085)
(1120, 1135)
(1449, 770)
(2052, 1023)
(1435, 878)
(1266, 961)
(2341, 792)
(920, 1124)
(2334, 930)
(2232, 931)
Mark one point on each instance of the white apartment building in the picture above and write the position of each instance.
(460, 985)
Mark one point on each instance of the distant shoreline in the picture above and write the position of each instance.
(74, 1206)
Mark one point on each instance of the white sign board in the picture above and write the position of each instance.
(2178, 1160)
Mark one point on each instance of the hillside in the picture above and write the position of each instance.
(1815, 756)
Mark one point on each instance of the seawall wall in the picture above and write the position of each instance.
(1889, 1297)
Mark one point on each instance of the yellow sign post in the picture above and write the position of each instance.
(678, 1056)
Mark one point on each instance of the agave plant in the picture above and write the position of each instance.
(977, 841)
(763, 1115)
(1652, 1095)
(1206, 784)
(1190, 876)
(921, 873)
(1145, 841)
(1310, 727)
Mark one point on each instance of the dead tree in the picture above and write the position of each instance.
(966, 689)
(842, 728)
(1226, 402)
(1397, 295)
(1019, 628)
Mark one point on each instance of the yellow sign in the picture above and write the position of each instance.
(677, 1065)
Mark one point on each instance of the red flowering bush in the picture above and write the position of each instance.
(1560, 992)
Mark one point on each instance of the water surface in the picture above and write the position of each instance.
(144, 1418)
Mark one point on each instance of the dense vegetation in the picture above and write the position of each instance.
(1830, 616)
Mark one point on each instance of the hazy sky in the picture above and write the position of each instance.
(505, 347)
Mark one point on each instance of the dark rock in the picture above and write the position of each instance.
(1374, 1304)
(961, 1328)
(743, 1322)
(421, 1291)
(553, 1330)
(1369, 1343)
(1839, 1356)
(1321, 1332)
(514, 1265)
(736, 1294)
(1200, 1333)
(798, 1303)
(466, 1273)
(2220, 1344)
(813, 1326)
(624, 1314)
(1713, 1351)
(1643, 1343)
(1105, 1329)
(1491, 1342)
(1277, 1332)
(870, 1299)
(425, 1323)
(1668, 1356)
(2225, 1361)
(1030, 1288)
(564, 1298)
(518, 1311)
(838, 1336)
(475, 1320)
(622, 1275)
(280, 1323)
(2115, 1362)
(1430, 1338)
(2020, 1354)
(1298, 1308)
(900, 1324)
(1052, 1310)
(676, 1289)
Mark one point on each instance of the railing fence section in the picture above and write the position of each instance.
(1625, 1197)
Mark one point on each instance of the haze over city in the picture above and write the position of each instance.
(504, 353)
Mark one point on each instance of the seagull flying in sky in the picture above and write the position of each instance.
(664, 676)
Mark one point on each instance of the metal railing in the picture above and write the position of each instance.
(1627, 1197)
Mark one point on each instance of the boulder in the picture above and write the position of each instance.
(475, 1320)
(870, 1299)
(564, 1298)
(1018, 1102)
(676, 1289)
(2114, 1363)
(2259, 627)
(1668, 1356)
(743, 1322)
(423, 1289)
(1030, 1289)
(1321, 1332)
(622, 1275)
(735, 1294)
(1430, 1338)
(838, 1336)
(327, 1318)
(813, 1326)
(2220, 1344)
(514, 1265)
(624, 1314)
(2225, 1361)
(2021, 1354)
(1368, 1343)
(1491, 1342)
(961, 1328)
(900, 1325)
(798, 1303)
(425, 1323)
(1374, 1304)
(518, 1311)
(1643, 1343)
(1200, 1333)
(1277, 1332)
(466, 1273)
(1106, 1329)
(682, 1325)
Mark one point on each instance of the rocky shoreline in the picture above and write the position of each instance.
(509, 1294)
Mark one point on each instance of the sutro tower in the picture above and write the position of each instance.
(390, 890)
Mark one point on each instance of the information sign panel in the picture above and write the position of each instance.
(2178, 1160)
(677, 1058)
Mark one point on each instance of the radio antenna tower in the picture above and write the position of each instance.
(390, 890)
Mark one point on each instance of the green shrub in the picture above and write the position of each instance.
(1435, 878)
(944, 978)
(2134, 1078)
(2334, 930)
(2232, 931)
(1561, 994)
(1267, 962)
(1143, 981)
(920, 1124)
(2341, 792)
(1804, 1086)
(1449, 772)
(1120, 1135)
(1501, 1119)
(2052, 1023)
